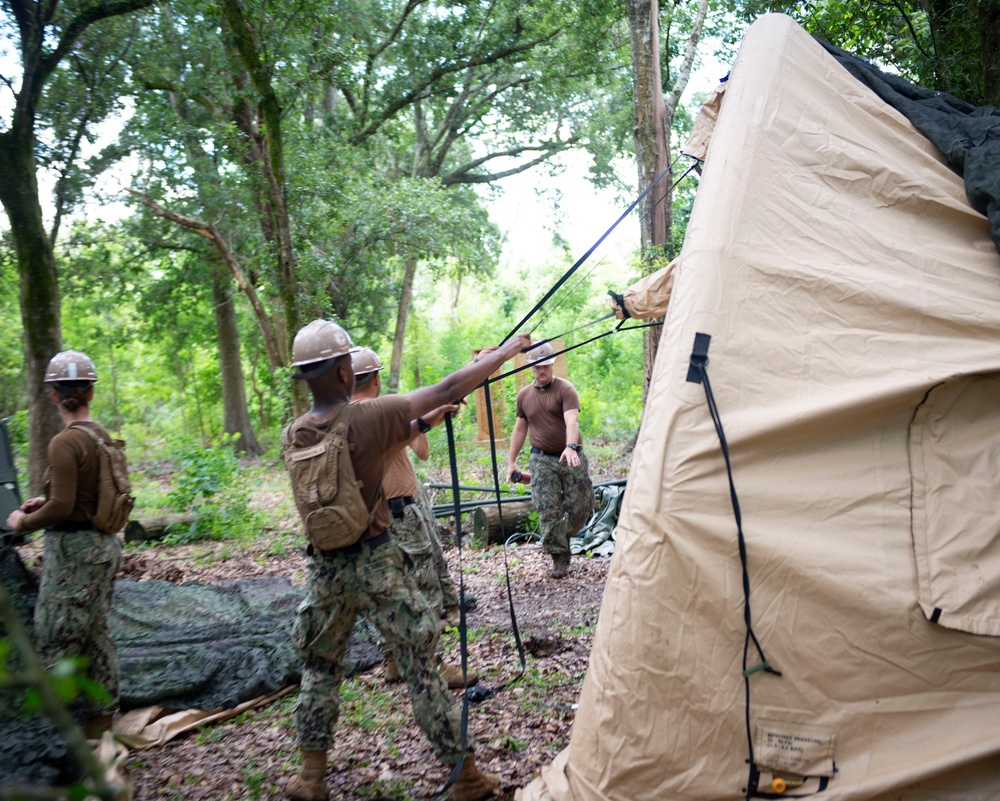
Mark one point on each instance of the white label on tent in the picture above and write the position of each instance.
(794, 747)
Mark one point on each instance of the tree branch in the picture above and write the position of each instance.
(462, 176)
(95, 12)
(421, 90)
(230, 260)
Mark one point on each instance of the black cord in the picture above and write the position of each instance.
(699, 373)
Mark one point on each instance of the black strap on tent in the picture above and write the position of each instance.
(698, 374)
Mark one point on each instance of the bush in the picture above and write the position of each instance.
(211, 486)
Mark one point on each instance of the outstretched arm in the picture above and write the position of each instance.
(460, 383)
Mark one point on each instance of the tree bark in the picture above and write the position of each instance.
(651, 146)
(486, 522)
(402, 315)
(653, 125)
(39, 284)
(989, 35)
(155, 528)
(235, 417)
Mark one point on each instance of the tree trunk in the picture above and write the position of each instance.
(486, 522)
(405, 296)
(155, 528)
(235, 417)
(653, 125)
(39, 283)
(989, 35)
(649, 132)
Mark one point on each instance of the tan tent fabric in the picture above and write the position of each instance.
(853, 300)
(704, 124)
(649, 296)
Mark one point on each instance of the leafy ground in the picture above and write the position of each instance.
(380, 752)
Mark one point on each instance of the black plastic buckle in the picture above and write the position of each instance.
(699, 357)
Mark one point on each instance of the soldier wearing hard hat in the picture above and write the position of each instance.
(411, 527)
(80, 562)
(561, 490)
(368, 577)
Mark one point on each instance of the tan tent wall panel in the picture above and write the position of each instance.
(842, 275)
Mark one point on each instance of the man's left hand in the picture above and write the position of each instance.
(570, 457)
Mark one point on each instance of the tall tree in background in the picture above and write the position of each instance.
(360, 134)
(940, 44)
(68, 63)
(656, 93)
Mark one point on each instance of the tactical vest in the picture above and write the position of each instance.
(327, 493)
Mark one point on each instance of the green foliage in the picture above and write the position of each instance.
(937, 45)
(210, 485)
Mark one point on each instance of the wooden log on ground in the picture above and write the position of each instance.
(486, 522)
(155, 528)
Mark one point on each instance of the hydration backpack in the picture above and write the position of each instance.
(327, 493)
(114, 490)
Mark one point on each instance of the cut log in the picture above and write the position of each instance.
(155, 528)
(486, 522)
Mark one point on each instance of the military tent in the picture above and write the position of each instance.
(848, 300)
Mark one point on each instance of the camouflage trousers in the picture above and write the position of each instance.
(563, 497)
(74, 599)
(373, 582)
(418, 539)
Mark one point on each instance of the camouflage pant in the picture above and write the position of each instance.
(563, 497)
(74, 599)
(374, 583)
(418, 539)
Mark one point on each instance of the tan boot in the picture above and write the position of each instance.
(453, 675)
(310, 784)
(560, 565)
(392, 674)
(473, 784)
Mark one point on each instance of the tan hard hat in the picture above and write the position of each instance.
(365, 360)
(319, 341)
(70, 365)
(543, 351)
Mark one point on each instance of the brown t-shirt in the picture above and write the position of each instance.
(399, 479)
(376, 427)
(70, 479)
(543, 409)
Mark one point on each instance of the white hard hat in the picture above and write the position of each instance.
(365, 360)
(543, 351)
(70, 365)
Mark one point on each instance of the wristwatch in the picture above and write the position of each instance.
(575, 447)
(423, 425)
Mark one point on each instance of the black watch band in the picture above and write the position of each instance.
(575, 447)
(423, 426)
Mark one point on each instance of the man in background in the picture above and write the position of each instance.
(561, 490)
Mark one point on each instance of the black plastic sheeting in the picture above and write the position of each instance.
(967, 135)
(180, 646)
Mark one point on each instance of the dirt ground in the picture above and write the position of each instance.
(380, 752)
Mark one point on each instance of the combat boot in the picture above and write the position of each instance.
(560, 565)
(392, 674)
(473, 784)
(453, 675)
(310, 784)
